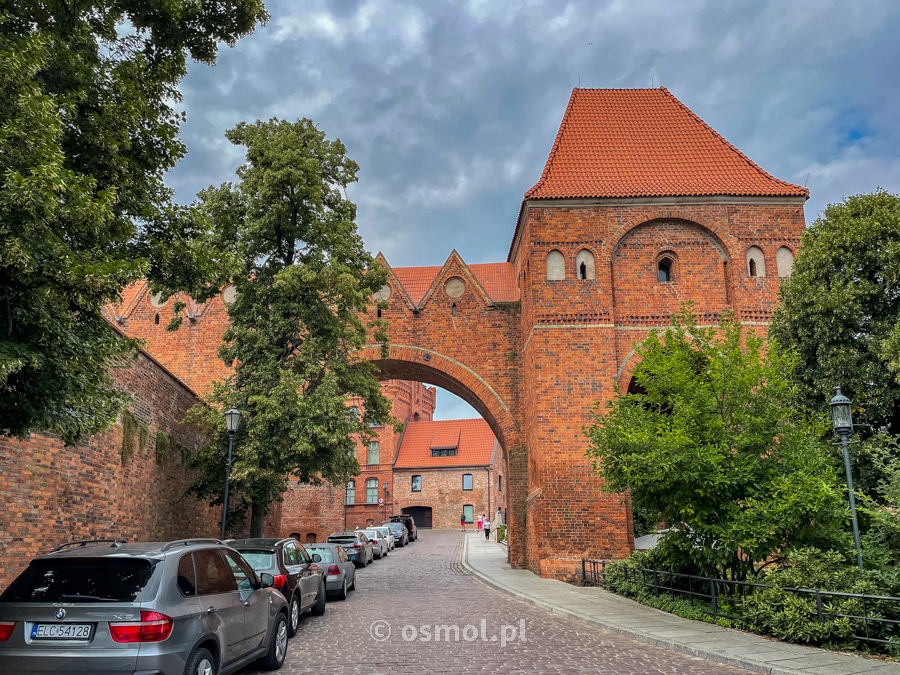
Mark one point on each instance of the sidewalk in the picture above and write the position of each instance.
(487, 560)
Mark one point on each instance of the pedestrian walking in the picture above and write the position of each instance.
(479, 523)
(462, 521)
(487, 528)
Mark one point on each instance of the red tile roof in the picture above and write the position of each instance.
(475, 444)
(497, 279)
(645, 143)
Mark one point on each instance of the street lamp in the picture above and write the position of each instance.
(384, 486)
(842, 422)
(232, 422)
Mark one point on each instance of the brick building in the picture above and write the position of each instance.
(641, 206)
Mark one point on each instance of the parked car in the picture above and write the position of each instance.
(410, 523)
(189, 606)
(300, 580)
(379, 541)
(340, 572)
(401, 534)
(356, 545)
(386, 531)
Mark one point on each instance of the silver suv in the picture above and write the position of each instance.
(190, 606)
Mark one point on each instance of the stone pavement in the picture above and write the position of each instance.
(594, 606)
(421, 610)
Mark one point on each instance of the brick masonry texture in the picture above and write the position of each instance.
(55, 494)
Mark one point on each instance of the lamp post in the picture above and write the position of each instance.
(384, 486)
(232, 422)
(842, 422)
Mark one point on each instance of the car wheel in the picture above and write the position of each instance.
(353, 585)
(319, 608)
(201, 663)
(294, 612)
(342, 594)
(274, 658)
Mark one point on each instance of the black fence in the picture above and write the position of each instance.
(874, 618)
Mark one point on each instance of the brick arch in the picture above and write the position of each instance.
(718, 233)
(410, 362)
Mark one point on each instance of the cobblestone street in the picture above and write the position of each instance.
(388, 626)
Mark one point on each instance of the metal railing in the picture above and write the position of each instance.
(874, 618)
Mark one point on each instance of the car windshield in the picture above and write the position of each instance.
(324, 553)
(371, 534)
(260, 560)
(343, 539)
(396, 526)
(81, 580)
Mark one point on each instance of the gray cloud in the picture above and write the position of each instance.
(450, 108)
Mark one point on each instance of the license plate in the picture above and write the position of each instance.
(61, 631)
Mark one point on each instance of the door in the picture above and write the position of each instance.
(295, 559)
(421, 514)
(220, 600)
(256, 606)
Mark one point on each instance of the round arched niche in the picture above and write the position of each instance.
(157, 300)
(455, 287)
(383, 293)
(584, 265)
(556, 266)
(229, 294)
(756, 262)
(784, 261)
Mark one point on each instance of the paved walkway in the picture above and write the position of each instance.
(600, 608)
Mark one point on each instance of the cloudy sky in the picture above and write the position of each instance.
(450, 108)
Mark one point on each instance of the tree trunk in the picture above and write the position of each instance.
(257, 518)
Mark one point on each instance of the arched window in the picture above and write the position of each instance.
(784, 261)
(453, 311)
(756, 263)
(156, 320)
(665, 267)
(556, 266)
(372, 491)
(350, 498)
(584, 265)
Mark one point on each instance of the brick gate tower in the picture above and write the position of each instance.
(641, 207)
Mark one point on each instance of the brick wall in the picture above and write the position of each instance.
(55, 494)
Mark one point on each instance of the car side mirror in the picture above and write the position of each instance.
(267, 580)
(316, 558)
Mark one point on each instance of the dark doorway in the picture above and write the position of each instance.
(422, 515)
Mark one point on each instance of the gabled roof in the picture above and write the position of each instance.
(646, 143)
(497, 279)
(473, 439)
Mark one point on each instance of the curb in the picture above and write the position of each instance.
(741, 662)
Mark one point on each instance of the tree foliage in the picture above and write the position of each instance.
(713, 444)
(840, 309)
(304, 281)
(87, 130)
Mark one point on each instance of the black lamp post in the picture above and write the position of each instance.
(842, 422)
(384, 486)
(232, 422)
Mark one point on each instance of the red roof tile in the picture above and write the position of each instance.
(475, 444)
(645, 143)
(445, 436)
(497, 279)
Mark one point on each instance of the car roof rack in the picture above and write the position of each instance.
(114, 543)
(188, 542)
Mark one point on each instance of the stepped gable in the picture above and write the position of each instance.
(472, 439)
(646, 143)
(495, 281)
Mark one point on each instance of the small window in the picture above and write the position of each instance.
(756, 263)
(350, 498)
(416, 484)
(556, 266)
(467, 481)
(784, 261)
(372, 491)
(415, 417)
(214, 575)
(499, 483)
(584, 265)
(353, 413)
(156, 320)
(453, 311)
(311, 538)
(443, 452)
(664, 269)
(374, 452)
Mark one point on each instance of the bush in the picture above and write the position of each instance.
(501, 533)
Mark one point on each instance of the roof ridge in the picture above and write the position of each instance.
(729, 145)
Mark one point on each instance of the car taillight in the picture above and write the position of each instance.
(280, 581)
(153, 627)
(357, 545)
(6, 629)
(333, 569)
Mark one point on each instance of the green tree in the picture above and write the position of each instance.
(304, 282)
(840, 309)
(713, 445)
(87, 130)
